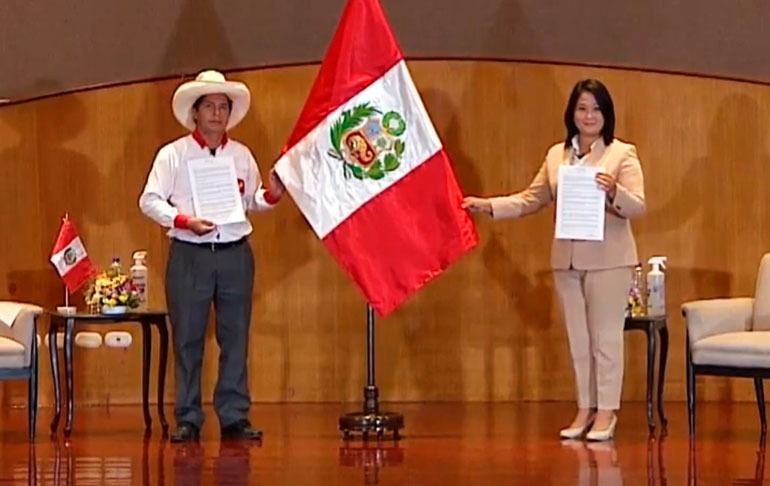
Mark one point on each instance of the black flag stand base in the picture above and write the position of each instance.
(371, 421)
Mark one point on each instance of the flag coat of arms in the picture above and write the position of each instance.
(367, 169)
(70, 259)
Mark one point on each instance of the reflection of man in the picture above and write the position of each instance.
(193, 466)
(208, 264)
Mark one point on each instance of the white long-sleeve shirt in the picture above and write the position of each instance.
(167, 196)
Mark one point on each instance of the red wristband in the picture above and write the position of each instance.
(269, 198)
(180, 221)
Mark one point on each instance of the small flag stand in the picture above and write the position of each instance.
(66, 309)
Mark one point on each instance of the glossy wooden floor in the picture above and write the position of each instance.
(444, 444)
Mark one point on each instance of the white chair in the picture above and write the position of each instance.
(18, 353)
(730, 337)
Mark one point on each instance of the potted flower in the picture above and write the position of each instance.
(112, 293)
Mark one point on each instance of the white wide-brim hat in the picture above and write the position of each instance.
(210, 82)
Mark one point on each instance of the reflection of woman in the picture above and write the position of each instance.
(591, 277)
(598, 464)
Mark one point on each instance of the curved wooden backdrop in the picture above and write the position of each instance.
(51, 47)
(487, 330)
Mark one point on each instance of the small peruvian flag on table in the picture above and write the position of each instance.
(70, 258)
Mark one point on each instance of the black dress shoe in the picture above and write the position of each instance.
(185, 432)
(242, 430)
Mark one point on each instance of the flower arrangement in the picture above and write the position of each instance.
(635, 305)
(112, 290)
(635, 302)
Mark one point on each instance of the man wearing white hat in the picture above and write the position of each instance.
(208, 264)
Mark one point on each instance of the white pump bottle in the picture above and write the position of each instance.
(139, 277)
(656, 287)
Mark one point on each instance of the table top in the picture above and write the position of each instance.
(131, 315)
(645, 318)
(645, 323)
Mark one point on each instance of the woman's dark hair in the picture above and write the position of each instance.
(603, 99)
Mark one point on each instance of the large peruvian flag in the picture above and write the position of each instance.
(367, 169)
(70, 258)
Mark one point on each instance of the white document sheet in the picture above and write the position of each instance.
(579, 204)
(215, 190)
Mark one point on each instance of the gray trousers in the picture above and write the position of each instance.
(196, 278)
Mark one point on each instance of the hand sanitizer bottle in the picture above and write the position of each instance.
(139, 278)
(656, 287)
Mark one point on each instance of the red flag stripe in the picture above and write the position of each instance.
(78, 275)
(405, 236)
(362, 50)
(67, 233)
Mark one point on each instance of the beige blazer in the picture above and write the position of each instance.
(618, 247)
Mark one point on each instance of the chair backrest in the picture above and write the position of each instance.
(23, 329)
(761, 320)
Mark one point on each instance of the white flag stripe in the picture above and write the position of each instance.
(78, 252)
(316, 181)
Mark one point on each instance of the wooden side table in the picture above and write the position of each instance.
(70, 321)
(653, 327)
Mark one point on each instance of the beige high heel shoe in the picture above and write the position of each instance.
(577, 432)
(606, 434)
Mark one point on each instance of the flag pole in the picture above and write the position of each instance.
(66, 309)
(66, 289)
(371, 420)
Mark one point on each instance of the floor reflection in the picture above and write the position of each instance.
(370, 457)
(496, 444)
(229, 466)
(694, 474)
(65, 467)
(597, 463)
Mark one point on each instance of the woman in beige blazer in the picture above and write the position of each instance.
(592, 278)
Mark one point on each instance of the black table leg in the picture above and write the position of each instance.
(53, 353)
(146, 359)
(650, 375)
(33, 374)
(162, 361)
(662, 375)
(69, 335)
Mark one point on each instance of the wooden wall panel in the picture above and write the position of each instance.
(488, 329)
